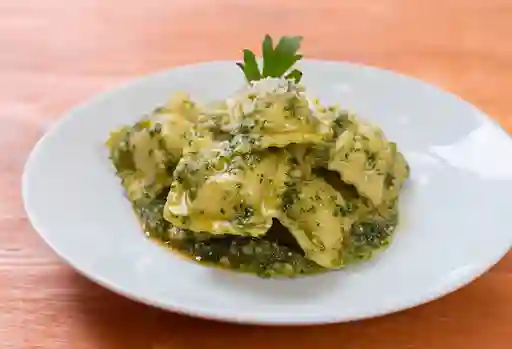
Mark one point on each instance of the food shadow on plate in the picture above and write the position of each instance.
(289, 289)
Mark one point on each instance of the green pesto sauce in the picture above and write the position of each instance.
(275, 255)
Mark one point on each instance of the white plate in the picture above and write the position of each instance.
(455, 211)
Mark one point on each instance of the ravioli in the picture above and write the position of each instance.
(224, 193)
(273, 113)
(183, 107)
(141, 159)
(363, 157)
(318, 217)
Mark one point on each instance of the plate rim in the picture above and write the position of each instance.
(210, 313)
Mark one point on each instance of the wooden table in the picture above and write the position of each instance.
(55, 53)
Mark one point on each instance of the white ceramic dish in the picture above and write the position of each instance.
(455, 211)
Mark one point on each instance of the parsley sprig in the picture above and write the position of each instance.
(277, 61)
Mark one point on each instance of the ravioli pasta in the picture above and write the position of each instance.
(318, 217)
(229, 193)
(267, 181)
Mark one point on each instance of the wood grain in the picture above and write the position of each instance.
(55, 53)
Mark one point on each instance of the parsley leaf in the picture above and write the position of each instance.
(250, 66)
(277, 61)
